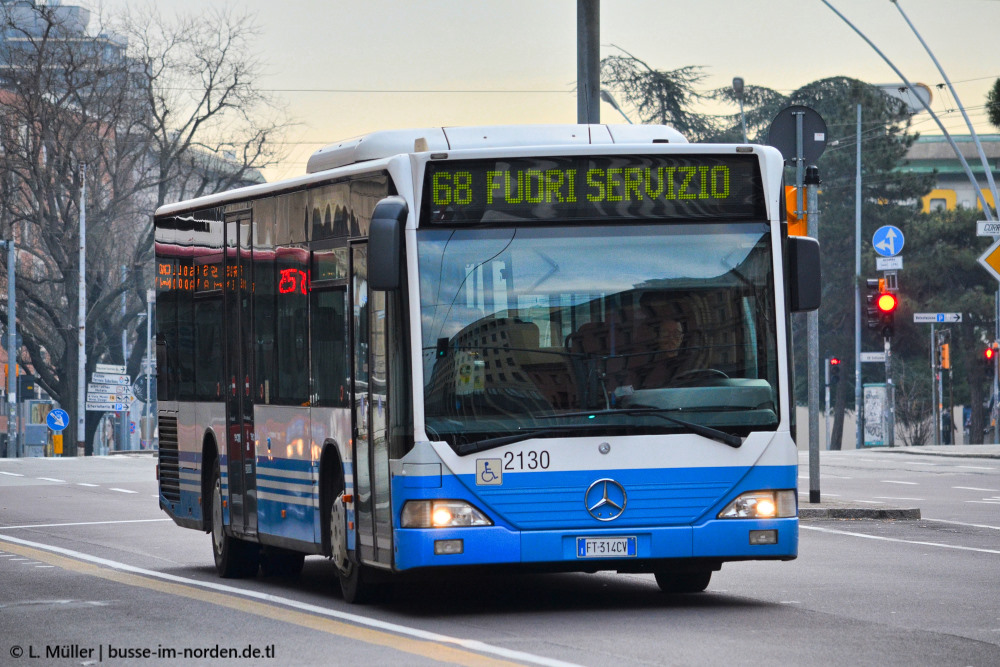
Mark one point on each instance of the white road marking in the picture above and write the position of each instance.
(892, 539)
(122, 490)
(81, 523)
(44, 566)
(84, 484)
(984, 502)
(959, 523)
(893, 481)
(12, 474)
(870, 502)
(921, 463)
(897, 498)
(976, 467)
(50, 479)
(357, 619)
(973, 488)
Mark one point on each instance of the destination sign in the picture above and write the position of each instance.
(675, 187)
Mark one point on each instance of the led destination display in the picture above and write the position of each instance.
(623, 187)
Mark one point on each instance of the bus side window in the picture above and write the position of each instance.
(329, 348)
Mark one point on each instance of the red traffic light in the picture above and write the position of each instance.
(886, 302)
(990, 354)
(834, 361)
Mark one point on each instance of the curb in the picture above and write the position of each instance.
(954, 455)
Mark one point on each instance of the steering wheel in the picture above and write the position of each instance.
(694, 373)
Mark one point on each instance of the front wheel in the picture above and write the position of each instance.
(234, 558)
(351, 574)
(683, 582)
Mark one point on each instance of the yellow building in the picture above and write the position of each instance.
(932, 153)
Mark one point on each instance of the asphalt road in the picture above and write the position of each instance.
(89, 568)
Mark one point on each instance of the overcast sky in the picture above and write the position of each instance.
(347, 67)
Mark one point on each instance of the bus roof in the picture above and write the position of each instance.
(395, 142)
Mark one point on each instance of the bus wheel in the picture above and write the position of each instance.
(350, 573)
(683, 582)
(234, 558)
(277, 562)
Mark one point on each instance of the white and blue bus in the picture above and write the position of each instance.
(549, 348)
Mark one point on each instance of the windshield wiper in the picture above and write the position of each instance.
(700, 429)
(500, 441)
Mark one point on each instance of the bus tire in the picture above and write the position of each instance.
(234, 558)
(683, 582)
(278, 562)
(350, 574)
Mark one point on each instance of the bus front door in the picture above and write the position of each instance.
(373, 513)
(240, 449)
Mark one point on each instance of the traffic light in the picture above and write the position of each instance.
(887, 303)
(944, 360)
(881, 309)
(834, 370)
(871, 310)
(989, 359)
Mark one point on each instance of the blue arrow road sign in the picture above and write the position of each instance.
(57, 420)
(888, 241)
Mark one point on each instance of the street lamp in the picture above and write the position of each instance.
(606, 97)
(738, 90)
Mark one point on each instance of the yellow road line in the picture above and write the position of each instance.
(426, 649)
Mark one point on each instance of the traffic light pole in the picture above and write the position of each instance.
(935, 396)
(812, 206)
(890, 397)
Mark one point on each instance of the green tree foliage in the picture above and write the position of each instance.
(890, 195)
(661, 97)
(993, 104)
(945, 276)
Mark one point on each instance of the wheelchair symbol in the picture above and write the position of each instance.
(488, 472)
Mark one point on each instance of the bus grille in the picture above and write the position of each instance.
(170, 475)
(541, 506)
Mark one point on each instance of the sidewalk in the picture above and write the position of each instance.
(958, 451)
(839, 509)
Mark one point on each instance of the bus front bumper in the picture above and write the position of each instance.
(721, 540)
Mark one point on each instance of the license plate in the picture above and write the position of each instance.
(605, 547)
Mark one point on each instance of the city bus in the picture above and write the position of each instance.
(523, 348)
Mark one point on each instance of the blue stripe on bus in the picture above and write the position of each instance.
(660, 531)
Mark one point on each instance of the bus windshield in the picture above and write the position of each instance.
(571, 328)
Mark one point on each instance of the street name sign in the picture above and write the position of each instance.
(112, 398)
(947, 318)
(872, 357)
(109, 368)
(106, 406)
(888, 240)
(889, 263)
(110, 378)
(100, 387)
(987, 228)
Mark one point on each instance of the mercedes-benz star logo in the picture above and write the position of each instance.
(605, 499)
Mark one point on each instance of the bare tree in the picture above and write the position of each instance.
(143, 126)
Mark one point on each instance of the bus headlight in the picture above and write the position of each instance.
(441, 514)
(761, 505)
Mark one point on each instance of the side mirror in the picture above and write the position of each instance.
(802, 273)
(385, 243)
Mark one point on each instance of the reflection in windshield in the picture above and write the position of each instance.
(521, 324)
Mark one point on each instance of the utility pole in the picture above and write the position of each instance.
(12, 347)
(812, 325)
(81, 368)
(588, 65)
(857, 288)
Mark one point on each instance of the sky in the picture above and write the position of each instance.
(348, 67)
